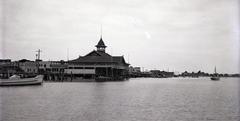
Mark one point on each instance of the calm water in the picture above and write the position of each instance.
(134, 100)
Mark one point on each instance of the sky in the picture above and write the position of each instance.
(171, 35)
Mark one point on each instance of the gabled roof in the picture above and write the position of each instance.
(101, 43)
(119, 59)
(98, 56)
(97, 53)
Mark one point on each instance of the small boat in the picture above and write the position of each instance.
(15, 80)
(215, 76)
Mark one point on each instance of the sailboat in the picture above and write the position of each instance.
(215, 76)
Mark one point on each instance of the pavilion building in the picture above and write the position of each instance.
(98, 65)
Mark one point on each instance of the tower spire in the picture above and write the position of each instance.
(100, 45)
(101, 31)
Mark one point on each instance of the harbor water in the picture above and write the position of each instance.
(138, 99)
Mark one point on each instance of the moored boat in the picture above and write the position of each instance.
(17, 81)
(215, 76)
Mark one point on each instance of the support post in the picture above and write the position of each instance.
(106, 71)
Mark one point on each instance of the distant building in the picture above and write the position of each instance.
(2, 61)
(134, 71)
(158, 73)
(98, 64)
(29, 67)
(130, 70)
(8, 68)
(52, 70)
(137, 69)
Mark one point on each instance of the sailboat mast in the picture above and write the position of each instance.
(215, 70)
(67, 54)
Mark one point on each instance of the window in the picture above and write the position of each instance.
(78, 67)
(89, 68)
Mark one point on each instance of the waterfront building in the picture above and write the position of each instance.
(28, 67)
(8, 68)
(52, 70)
(137, 69)
(23, 67)
(98, 64)
(134, 71)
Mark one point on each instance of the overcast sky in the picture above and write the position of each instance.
(169, 35)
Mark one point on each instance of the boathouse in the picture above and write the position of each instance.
(98, 65)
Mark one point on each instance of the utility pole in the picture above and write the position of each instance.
(38, 54)
(68, 54)
(38, 59)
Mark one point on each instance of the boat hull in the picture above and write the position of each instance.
(21, 82)
(215, 78)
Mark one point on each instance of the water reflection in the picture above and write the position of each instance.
(138, 99)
